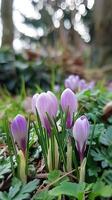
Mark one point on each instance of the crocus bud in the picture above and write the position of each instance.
(80, 133)
(47, 104)
(20, 131)
(54, 103)
(72, 82)
(34, 100)
(69, 105)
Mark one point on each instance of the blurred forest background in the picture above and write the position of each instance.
(43, 39)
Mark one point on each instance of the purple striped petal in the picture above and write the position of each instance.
(82, 85)
(80, 133)
(69, 120)
(19, 131)
(72, 82)
(53, 104)
(34, 100)
(69, 104)
(47, 103)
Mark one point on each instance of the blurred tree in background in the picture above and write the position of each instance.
(7, 22)
(70, 34)
(102, 43)
(54, 21)
(63, 24)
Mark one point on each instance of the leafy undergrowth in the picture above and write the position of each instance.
(19, 191)
(44, 184)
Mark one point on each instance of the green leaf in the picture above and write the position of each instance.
(104, 155)
(100, 190)
(44, 196)
(69, 189)
(93, 168)
(53, 175)
(22, 196)
(99, 130)
(4, 169)
(16, 184)
(29, 187)
(106, 138)
(25, 190)
(4, 196)
(19, 191)
(107, 177)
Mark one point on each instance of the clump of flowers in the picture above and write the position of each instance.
(56, 125)
(76, 84)
(46, 104)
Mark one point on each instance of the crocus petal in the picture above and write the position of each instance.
(47, 126)
(34, 100)
(47, 103)
(69, 100)
(82, 85)
(68, 84)
(19, 131)
(54, 104)
(81, 132)
(42, 106)
(69, 103)
(91, 85)
(72, 82)
(69, 119)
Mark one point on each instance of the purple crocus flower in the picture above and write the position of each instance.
(91, 85)
(20, 131)
(69, 105)
(57, 88)
(47, 103)
(80, 133)
(34, 100)
(72, 82)
(82, 85)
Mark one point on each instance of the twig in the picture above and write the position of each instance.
(49, 185)
(41, 186)
(43, 176)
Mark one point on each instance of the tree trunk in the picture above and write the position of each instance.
(7, 22)
(102, 44)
